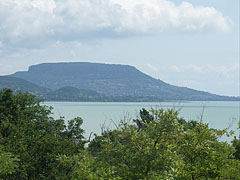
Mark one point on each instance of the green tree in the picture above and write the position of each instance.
(157, 146)
(163, 146)
(83, 166)
(28, 132)
(145, 153)
(8, 163)
(204, 157)
(236, 144)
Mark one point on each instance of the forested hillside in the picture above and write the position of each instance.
(17, 84)
(110, 80)
(69, 93)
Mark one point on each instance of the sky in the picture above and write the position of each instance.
(191, 43)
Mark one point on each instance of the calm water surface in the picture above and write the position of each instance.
(217, 114)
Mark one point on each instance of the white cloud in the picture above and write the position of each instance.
(219, 79)
(152, 67)
(1, 47)
(207, 69)
(187, 68)
(175, 68)
(31, 23)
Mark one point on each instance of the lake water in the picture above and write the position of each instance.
(218, 115)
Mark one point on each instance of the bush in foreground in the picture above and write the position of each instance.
(32, 139)
(157, 146)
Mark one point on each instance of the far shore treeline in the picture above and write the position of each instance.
(156, 146)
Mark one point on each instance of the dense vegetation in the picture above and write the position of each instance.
(17, 84)
(66, 93)
(157, 146)
(117, 82)
(69, 93)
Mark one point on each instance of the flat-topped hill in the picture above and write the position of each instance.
(110, 80)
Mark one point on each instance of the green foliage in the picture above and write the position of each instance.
(163, 146)
(28, 132)
(205, 157)
(236, 144)
(157, 146)
(83, 166)
(8, 163)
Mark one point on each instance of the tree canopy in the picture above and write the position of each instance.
(157, 146)
(31, 139)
